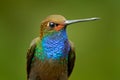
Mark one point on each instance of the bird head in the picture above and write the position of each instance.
(56, 23)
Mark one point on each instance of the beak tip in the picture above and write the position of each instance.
(96, 18)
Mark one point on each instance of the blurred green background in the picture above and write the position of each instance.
(97, 43)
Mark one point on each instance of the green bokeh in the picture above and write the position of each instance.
(97, 43)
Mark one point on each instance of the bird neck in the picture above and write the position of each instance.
(55, 45)
(55, 36)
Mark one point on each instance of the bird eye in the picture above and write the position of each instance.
(52, 24)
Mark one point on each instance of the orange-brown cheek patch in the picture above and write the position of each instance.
(59, 27)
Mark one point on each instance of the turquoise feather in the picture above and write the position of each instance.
(53, 46)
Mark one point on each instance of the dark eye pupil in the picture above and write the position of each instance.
(52, 24)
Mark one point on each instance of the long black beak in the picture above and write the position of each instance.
(67, 22)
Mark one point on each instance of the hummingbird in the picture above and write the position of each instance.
(51, 56)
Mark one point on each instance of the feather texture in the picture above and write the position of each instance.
(49, 69)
